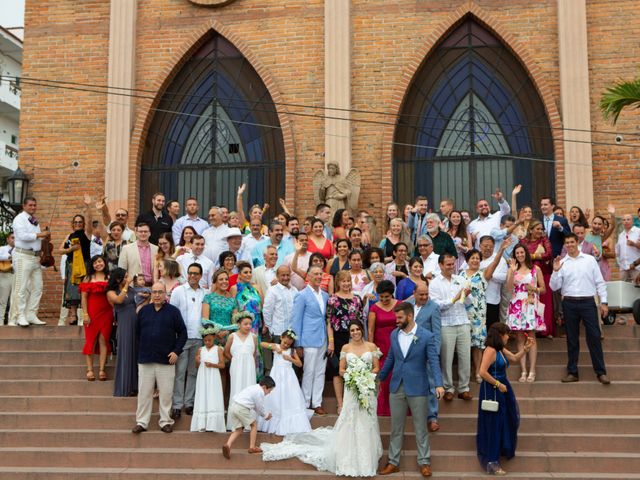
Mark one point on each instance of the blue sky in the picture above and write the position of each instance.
(12, 13)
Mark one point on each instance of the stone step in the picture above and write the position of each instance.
(55, 387)
(454, 422)
(64, 344)
(70, 473)
(178, 458)
(442, 440)
(107, 403)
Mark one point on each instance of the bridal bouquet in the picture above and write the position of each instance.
(359, 379)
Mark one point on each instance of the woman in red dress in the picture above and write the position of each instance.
(539, 247)
(382, 321)
(98, 315)
(318, 243)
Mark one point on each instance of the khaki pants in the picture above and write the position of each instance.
(150, 374)
(456, 339)
(27, 289)
(6, 284)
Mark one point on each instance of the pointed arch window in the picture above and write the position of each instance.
(472, 121)
(215, 127)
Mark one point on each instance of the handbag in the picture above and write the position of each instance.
(491, 405)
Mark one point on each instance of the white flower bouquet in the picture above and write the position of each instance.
(359, 379)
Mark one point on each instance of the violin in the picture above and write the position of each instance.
(46, 253)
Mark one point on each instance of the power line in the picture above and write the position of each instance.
(59, 85)
(106, 89)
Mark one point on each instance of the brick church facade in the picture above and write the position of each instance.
(448, 98)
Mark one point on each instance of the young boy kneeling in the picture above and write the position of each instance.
(242, 413)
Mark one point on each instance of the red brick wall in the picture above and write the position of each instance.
(68, 40)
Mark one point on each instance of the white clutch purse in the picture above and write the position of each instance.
(489, 405)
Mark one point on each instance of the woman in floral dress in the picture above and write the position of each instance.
(249, 299)
(343, 307)
(477, 281)
(526, 315)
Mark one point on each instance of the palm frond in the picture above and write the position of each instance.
(624, 94)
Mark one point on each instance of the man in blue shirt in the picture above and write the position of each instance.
(161, 338)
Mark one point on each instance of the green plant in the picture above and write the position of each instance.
(619, 96)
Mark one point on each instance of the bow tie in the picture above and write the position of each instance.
(33, 221)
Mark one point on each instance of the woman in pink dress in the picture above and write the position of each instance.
(382, 321)
(539, 247)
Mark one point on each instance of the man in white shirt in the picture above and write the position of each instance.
(628, 249)
(6, 275)
(235, 246)
(486, 220)
(264, 276)
(190, 219)
(188, 299)
(121, 216)
(196, 256)
(304, 256)
(250, 241)
(27, 283)
(494, 287)
(215, 237)
(277, 309)
(451, 293)
(578, 278)
(429, 258)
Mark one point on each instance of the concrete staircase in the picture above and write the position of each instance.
(56, 425)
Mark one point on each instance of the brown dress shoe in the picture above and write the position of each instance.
(425, 470)
(319, 411)
(465, 396)
(448, 396)
(138, 429)
(603, 379)
(388, 469)
(570, 378)
(433, 426)
(168, 428)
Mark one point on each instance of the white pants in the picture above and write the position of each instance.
(150, 374)
(27, 288)
(456, 339)
(6, 284)
(315, 364)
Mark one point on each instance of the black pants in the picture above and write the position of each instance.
(493, 314)
(587, 311)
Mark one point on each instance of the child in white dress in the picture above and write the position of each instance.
(286, 402)
(241, 349)
(208, 407)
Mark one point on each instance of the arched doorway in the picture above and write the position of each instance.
(472, 121)
(215, 127)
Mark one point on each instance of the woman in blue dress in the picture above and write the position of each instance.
(497, 431)
(407, 286)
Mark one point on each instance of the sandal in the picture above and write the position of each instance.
(532, 377)
(523, 377)
(255, 450)
(91, 376)
(102, 376)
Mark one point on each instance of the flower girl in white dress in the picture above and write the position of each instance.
(208, 408)
(352, 447)
(286, 402)
(241, 349)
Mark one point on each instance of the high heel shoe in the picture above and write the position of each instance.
(102, 375)
(523, 377)
(532, 377)
(91, 376)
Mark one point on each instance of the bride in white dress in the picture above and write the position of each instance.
(352, 447)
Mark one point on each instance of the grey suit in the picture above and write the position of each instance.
(429, 318)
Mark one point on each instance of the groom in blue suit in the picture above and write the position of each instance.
(412, 349)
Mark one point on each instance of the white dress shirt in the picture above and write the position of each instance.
(253, 398)
(215, 241)
(189, 302)
(443, 291)
(626, 254)
(579, 276)
(5, 252)
(494, 285)
(319, 299)
(249, 242)
(405, 339)
(198, 224)
(187, 259)
(431, 265)
(483, 226)
(25, 233)
(278, 305)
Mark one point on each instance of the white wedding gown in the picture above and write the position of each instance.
(351, 448)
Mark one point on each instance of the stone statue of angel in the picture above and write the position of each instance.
(336, 190)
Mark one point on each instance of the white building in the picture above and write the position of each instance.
(10, 66)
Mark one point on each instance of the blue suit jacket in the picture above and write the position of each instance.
(308, 321)
(429, 319)
(411, 371)
(557, 236)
